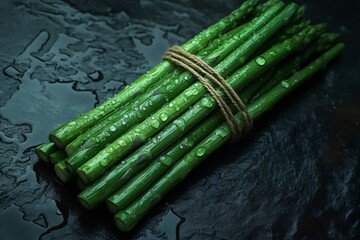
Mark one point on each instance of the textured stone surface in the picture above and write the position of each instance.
(295, 176)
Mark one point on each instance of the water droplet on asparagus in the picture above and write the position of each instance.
(200, 151)
(285, 84)
(72, 123)
(104, 162)
(155, 123)
(221, 133)
(166, 160)
(180, 123)
(260, 60)
(112, 128)
(122, 143)
(206, 102)
(163, 117)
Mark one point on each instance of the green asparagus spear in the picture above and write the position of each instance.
(69, 131)
(62, 172)
(95, 193)
(258, 87)
(324, 42)
(57, 156)
(44, 150)
(96, 166)
(169, 89)
(158, 167)
(128, 218)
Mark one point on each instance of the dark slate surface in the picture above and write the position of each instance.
(296, 176)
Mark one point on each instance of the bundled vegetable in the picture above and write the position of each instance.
(132, 149)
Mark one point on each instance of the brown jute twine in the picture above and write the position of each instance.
(198, 67)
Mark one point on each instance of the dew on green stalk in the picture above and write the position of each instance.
(180, 123)
(205, 102)
(166, 160)
(123, 122)
(273, 53)
(126, 116)
(137, 130)
(260, 60)
(122, 143)
(163, 117)
(104, 162)
(181, 146)
(155, 123)
(169, 89)
(221, 133)
(112, 128)
(200, 151)
(285, 84)
(171, 105)
(72, 123)
(111, 149)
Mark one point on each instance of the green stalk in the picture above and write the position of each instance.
(64, 134)
(62, 172)
(324, 42)
(139, 134)
(128, 218)
(284, 70)
(169, 89)
(77, 143)
(44, 150)
(263, 7)
(57, 156)
(95, 193)
(138, 184)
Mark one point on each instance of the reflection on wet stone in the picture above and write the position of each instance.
(82, 54)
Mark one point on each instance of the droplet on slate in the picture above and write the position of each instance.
(96, 76)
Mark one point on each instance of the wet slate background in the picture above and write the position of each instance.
(296, 176)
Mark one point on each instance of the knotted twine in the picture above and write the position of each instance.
(198, 67)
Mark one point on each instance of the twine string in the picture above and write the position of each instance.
(198, 67)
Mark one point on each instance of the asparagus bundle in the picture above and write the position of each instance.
(131, 150)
